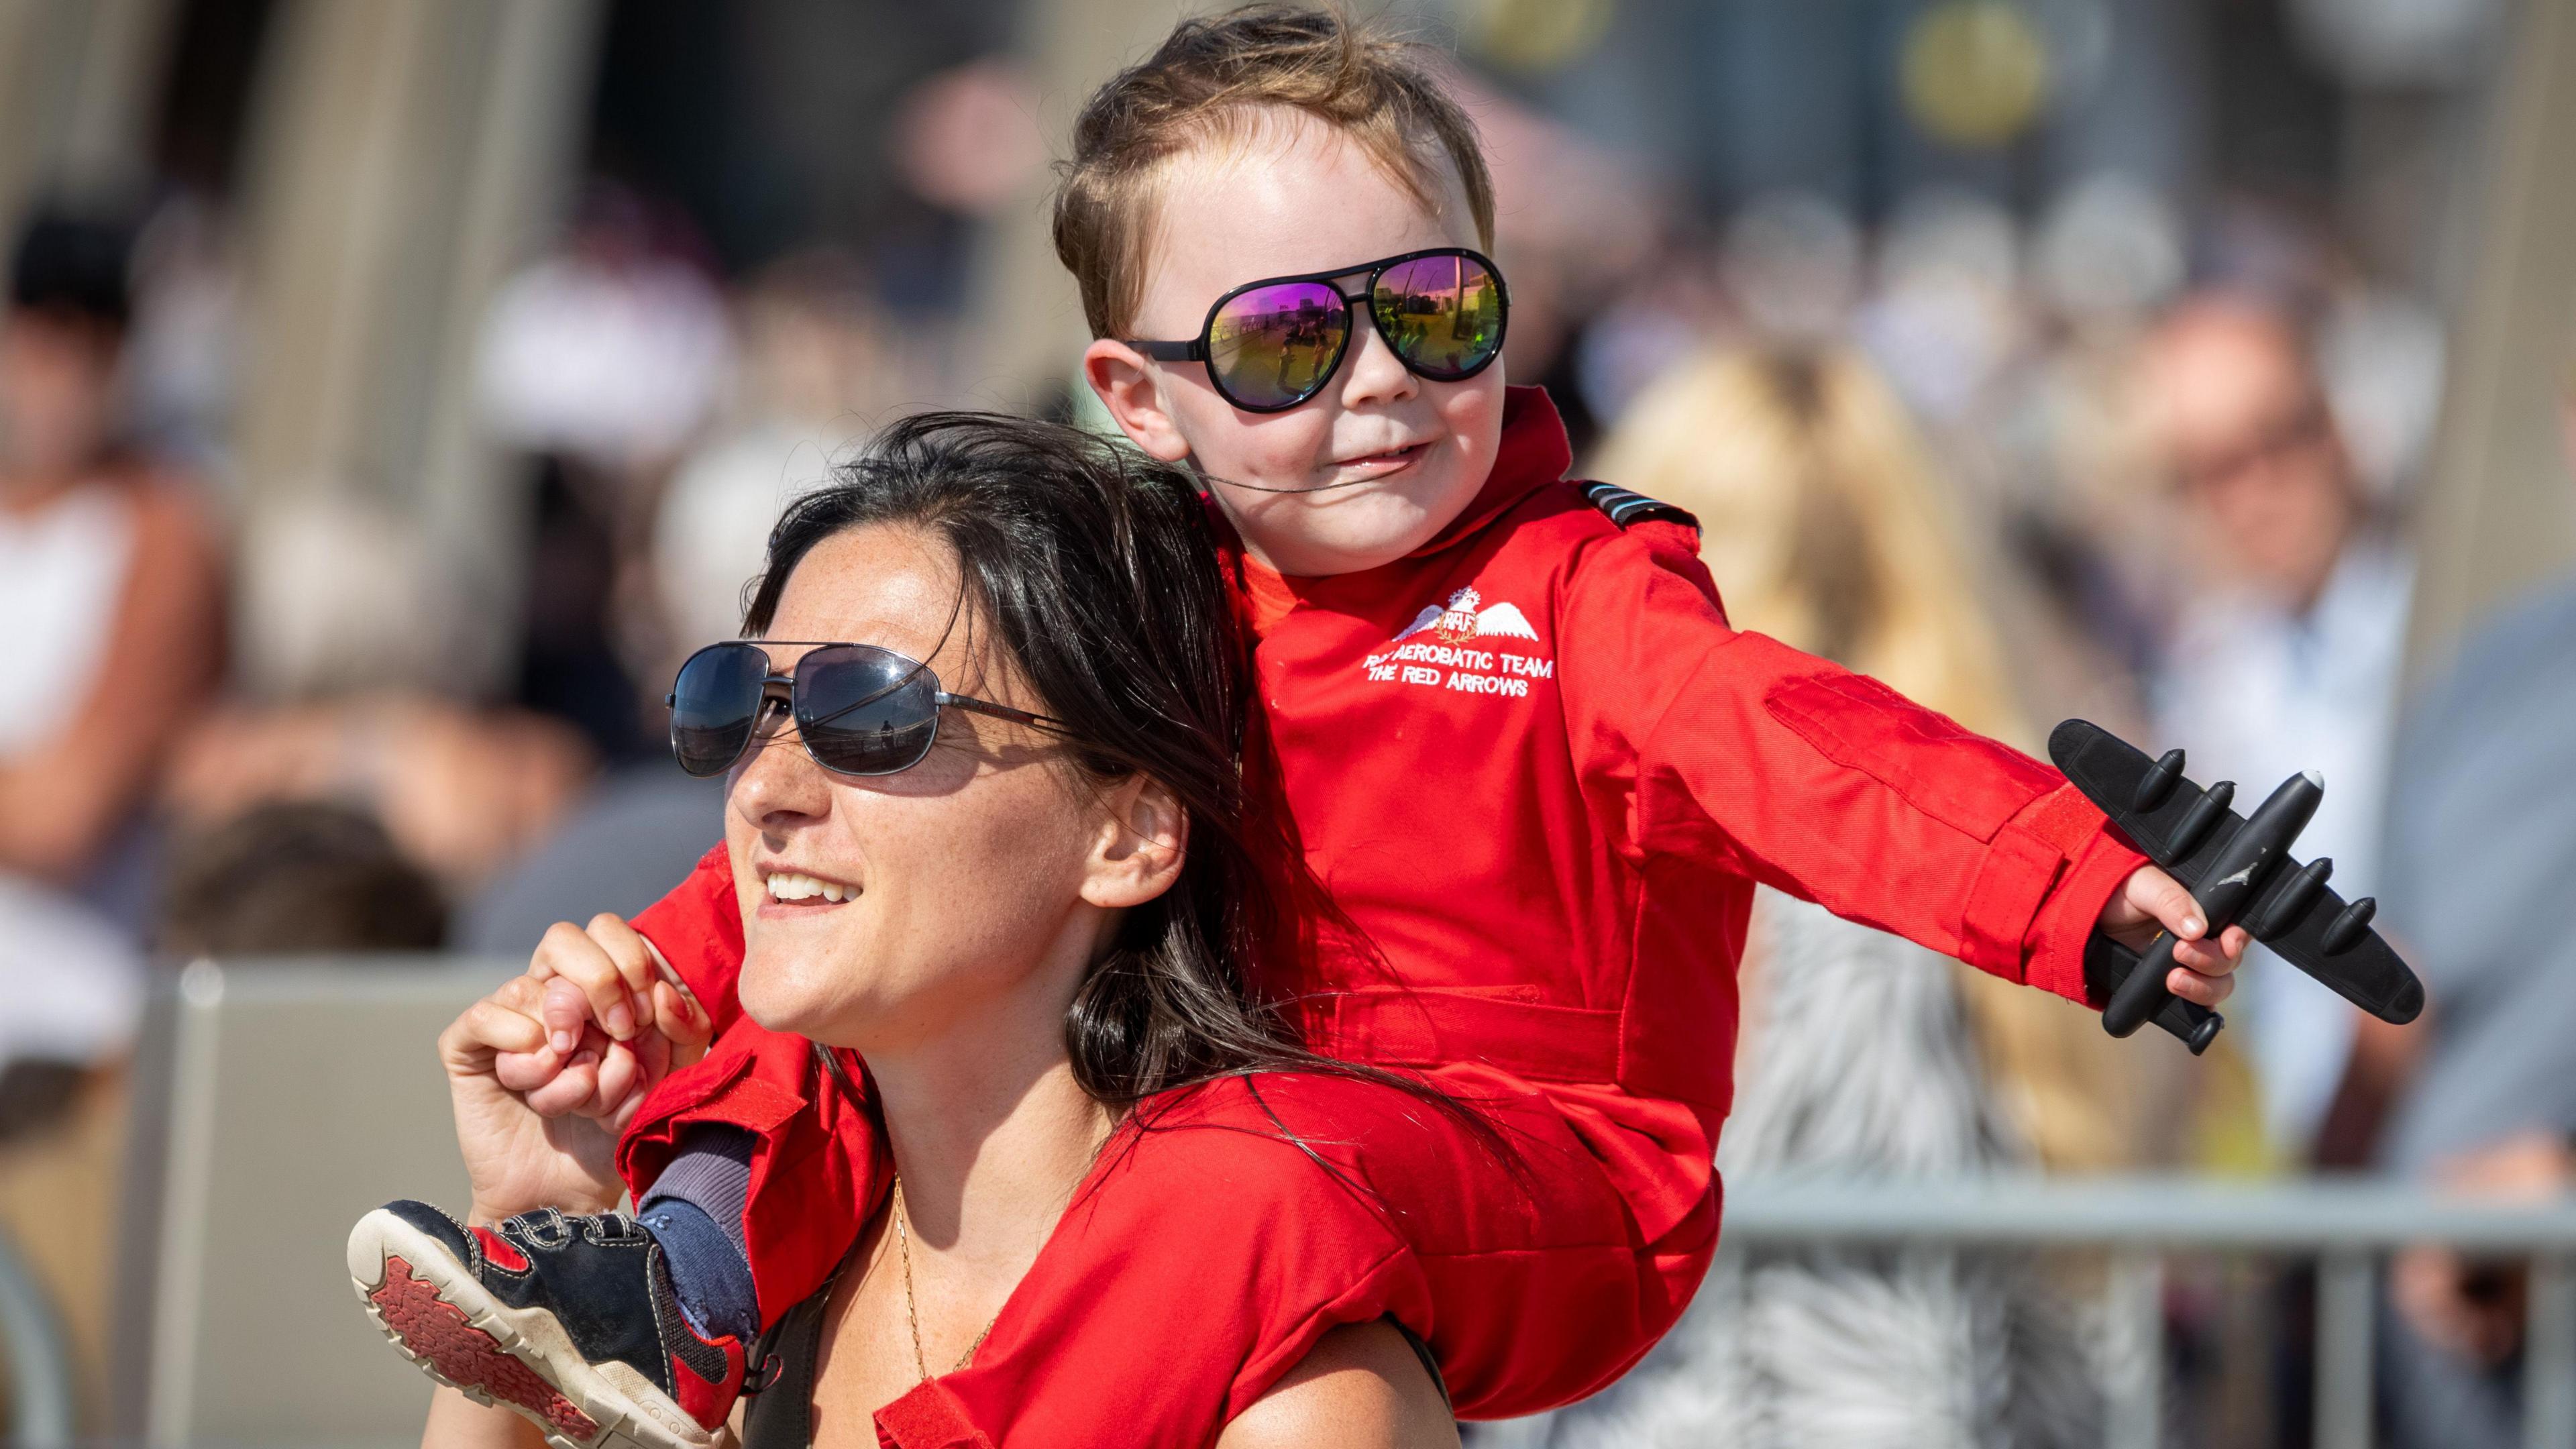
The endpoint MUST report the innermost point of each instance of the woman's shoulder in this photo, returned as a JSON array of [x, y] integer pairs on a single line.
[[1362, 1386]]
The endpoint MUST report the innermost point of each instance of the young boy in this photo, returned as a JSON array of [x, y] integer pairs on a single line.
[[1506, 722]]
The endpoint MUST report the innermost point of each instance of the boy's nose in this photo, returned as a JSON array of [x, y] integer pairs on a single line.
[[1375, 373]]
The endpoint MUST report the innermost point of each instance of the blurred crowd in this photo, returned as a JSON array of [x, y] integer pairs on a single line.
[[2112, 460]]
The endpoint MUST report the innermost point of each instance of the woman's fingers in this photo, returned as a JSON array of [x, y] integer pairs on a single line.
[[486, 1028], [610, 988], [621, 1075], [634, 957], [577, 1082], [684, 1023], [565, 1093], [525, 1072]]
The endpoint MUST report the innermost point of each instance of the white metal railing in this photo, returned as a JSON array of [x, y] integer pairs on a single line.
[[2347, 1225]]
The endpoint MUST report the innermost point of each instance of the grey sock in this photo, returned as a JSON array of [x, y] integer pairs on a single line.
[[694, 1210]]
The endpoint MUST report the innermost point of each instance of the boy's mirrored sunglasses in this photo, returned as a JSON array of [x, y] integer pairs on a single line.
[[860, 710], [1272, 344]]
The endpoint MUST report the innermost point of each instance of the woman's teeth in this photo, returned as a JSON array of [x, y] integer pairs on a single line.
[[787, 885]]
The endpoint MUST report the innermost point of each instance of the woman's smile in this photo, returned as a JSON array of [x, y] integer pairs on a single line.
[[799, 892]]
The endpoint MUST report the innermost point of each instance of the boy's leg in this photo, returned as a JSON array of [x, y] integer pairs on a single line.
[[611, 1335], [1212, 1251], [695, 1211], [810, 1158]]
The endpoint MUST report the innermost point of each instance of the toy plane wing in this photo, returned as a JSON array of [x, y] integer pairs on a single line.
[[2185, 829]]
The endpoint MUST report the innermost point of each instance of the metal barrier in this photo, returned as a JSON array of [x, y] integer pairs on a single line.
[[40, 1367], [2346, 1225]]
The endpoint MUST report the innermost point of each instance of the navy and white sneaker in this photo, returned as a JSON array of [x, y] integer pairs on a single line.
[[570, 1321]]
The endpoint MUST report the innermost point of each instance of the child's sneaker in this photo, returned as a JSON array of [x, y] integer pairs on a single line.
[[570, 1321]]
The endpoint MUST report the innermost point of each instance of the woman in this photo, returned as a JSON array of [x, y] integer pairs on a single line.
[[1826, 528], [1033, 930]]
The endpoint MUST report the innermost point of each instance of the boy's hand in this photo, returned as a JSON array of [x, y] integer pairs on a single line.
[[2151, 901], [611, 1023]]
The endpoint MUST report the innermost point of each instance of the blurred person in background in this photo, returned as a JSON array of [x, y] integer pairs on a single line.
[[2076, 495], [112, 597], [602, 364], [1826, 527], [823, 364], [361, 704], [108, 567], [2285, 653], [112, 593], [297, 877], [2481, 845]]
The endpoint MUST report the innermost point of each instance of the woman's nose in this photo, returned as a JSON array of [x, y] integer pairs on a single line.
[[1375, 373], [778, 782]]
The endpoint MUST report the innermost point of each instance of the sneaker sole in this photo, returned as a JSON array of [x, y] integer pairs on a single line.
[[434, 1313]]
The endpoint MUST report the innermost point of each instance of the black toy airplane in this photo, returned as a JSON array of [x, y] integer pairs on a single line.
[[2241, 873]]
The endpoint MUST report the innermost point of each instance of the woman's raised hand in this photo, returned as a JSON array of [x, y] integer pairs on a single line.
[[540, 1102], [615, 1023]]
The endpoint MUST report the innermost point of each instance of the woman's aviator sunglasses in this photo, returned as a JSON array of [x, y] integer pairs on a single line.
[[1272, 344], [860, 710]]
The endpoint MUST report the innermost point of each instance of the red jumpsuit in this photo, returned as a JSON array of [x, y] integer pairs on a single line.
[[1539, 777]]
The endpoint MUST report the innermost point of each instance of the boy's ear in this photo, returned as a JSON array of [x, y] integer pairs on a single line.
[[1127, 386]]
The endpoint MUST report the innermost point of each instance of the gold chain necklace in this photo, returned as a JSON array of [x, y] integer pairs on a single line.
[[911, 1312]]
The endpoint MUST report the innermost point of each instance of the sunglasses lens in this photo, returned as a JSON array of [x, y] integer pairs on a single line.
[[1442, 314], [714, 704], [1277, 345], [865, 711]]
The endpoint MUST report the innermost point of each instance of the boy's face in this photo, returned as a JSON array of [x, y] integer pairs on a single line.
[[1380, 460]]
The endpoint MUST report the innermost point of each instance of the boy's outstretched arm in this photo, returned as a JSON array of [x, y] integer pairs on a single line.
[[1746, 755]]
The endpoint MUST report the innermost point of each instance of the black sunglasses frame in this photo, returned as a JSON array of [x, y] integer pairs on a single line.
[[782, 687], [1197, 349]]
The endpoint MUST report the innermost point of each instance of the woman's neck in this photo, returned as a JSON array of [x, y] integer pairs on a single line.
[[989, 1156], [991, 1134]]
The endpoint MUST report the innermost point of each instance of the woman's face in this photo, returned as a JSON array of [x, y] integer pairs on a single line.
[[981, 881]]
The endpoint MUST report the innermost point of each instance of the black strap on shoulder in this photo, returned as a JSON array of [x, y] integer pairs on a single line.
[[780, 1388], [1626, 509]]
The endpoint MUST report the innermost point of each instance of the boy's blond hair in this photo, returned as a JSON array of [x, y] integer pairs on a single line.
[[1211, 76]]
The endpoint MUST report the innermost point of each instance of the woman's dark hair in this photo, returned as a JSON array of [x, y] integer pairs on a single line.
[[1096, 569]]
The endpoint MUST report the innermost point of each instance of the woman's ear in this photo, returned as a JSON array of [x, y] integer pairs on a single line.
[[1127, 387], [1141, 847]]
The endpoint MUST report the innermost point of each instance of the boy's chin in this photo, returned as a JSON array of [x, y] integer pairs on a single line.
[[1347, 530]]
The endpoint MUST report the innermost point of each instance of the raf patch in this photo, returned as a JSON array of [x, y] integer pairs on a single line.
[[1473, 648]]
